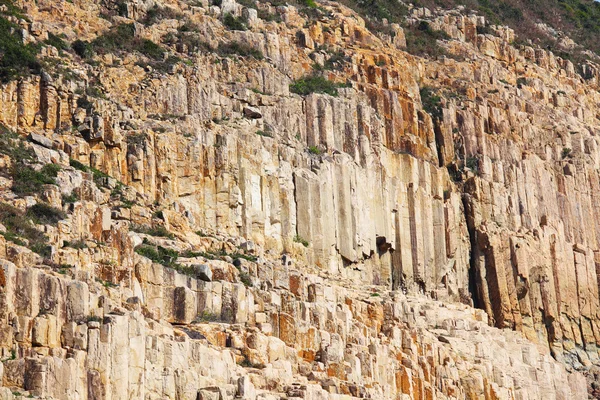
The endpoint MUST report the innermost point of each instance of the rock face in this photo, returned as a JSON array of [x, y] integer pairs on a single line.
[[223, 237]]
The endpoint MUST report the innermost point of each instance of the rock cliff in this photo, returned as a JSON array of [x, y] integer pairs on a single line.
[[275, 201]]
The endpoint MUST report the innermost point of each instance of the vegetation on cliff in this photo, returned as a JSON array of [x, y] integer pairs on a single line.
[[578, 19], [16, 57]]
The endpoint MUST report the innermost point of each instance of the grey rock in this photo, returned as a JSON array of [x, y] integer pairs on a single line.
[[252, 112], [41, 140], [203, 272]]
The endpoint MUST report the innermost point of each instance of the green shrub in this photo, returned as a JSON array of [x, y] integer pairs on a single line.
[[245, 279], [432, 103], [473, 164], [157, 13], [301, 240], [484, 30], [78, 165], [315, 150], [188, 41], [308, 3], [122, 8], [314, 84], [158, 214], [27, 181], [12, 10], [78, 244], [421, 40], [51, 170], [13, 146], [234, 23], [206, 316], [57, 42], [240, 49], [375, 12], [216, 255], [158, 254], [247, 257], [265, 133], [127, 203], [42, 213], [151, 49], [121, 38], [160, 231], [82, 49], [16, 58], [19, 228], [566, 152], [336, 60]]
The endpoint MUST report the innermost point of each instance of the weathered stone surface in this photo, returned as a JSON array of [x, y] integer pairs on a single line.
[[329, 247]]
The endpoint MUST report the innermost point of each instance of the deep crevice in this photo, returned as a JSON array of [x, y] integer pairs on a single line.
[[472, 284]]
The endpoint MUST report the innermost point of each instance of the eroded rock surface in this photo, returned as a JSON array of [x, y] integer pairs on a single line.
[[225, 238]]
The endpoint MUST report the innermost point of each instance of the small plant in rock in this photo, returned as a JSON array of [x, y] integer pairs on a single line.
[[158, 254], [521, 81], [432, 103], [13, 356], [484, 30], [159, 230], [315, 150], [65, 268], [203, 234], [301, 240], [566, 152], [106, 284], [247, 257], [473, 164], [315, 84], [265, 133], [77, 244], [206, 316], [70, 198], [246, 363], [78, 165], [245, 279], [137, 139], [336, 61]]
